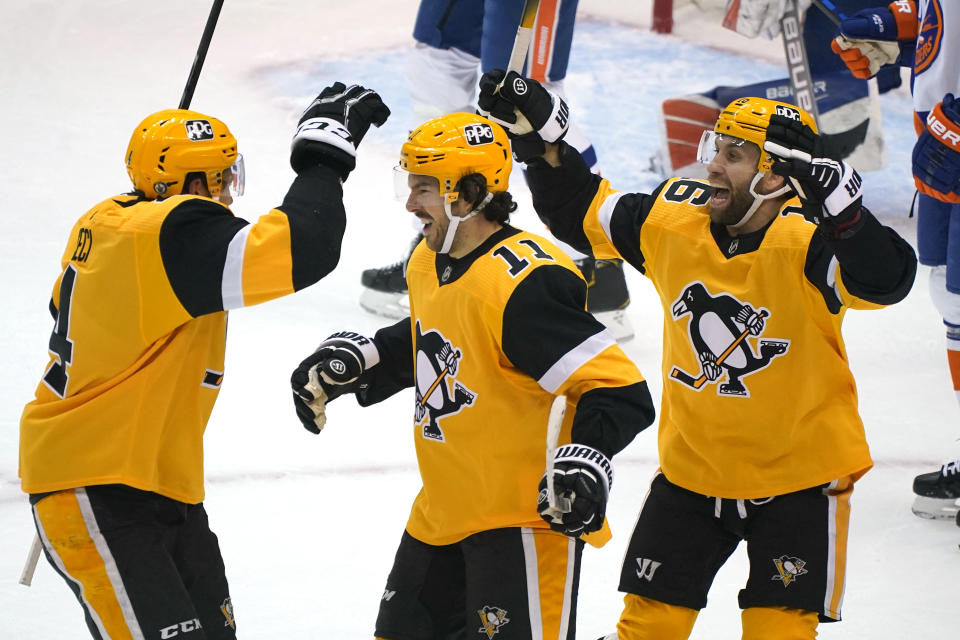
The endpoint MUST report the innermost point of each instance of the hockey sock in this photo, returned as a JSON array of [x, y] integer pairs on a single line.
[[953, 355], [762, 623], [646, 619]]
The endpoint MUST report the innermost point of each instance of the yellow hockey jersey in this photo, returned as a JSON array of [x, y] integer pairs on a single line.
[[137, 349], [492, 338], [758, 397]]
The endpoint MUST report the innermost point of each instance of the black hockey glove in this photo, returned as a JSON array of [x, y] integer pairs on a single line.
[[332, 127], [582, 477], [328, 373], [529, 112], [830, 190]]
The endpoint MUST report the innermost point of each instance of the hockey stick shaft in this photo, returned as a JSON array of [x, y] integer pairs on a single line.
[[521, 44], [797, 65], [830, 10], [30, 566], [554, 423], [194, 76]]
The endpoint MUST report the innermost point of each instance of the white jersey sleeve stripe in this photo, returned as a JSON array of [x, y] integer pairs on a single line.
[[605, 214], [574, 359], [232, 283]]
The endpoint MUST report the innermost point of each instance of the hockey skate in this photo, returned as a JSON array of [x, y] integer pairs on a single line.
[[385, 288], [607, 295], [938, 492]]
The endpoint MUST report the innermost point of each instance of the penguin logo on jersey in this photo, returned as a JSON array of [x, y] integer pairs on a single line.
[[788, 569], [439, 394], [719, 328], [491, 619]]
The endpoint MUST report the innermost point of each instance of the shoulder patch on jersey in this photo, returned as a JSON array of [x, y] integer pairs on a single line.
[[930, 38]]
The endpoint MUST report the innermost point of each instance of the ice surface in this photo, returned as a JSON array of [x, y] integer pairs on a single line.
[[309, 524]]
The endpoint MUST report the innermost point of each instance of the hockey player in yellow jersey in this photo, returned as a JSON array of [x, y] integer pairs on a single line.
[[497, 329], [759, 437], [111, 448]]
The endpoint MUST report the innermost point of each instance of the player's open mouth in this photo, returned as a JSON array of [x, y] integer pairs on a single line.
[[719, 197]]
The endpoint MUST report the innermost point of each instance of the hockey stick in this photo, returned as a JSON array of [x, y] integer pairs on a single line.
[[687, 379], [557, 505], [830, 11], [30, 566], [797, 65], [201, 54], [521, 44]]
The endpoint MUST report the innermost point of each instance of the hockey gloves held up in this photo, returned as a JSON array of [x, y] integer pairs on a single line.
[[582, 477], [872, 38], [332, 127], [529, 112], [831, 191], [936, 156], [329, 372]]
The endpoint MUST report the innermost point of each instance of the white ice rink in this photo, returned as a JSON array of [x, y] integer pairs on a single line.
[[309, 524]]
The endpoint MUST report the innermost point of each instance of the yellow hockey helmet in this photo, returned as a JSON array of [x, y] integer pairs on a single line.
[[748, 119], [168, 145], [455, 145]]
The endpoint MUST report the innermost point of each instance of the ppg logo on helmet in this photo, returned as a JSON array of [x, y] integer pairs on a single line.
[[477, 134], [198, 130], [788, 112]]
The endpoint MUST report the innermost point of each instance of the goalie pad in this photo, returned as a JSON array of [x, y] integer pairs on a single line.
[[849, 122]]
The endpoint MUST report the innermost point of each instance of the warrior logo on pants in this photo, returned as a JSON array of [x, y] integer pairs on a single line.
[[438, 392], [718, 329]]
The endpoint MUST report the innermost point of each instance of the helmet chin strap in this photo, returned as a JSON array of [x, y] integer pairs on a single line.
[[758, 198], [454, 221]]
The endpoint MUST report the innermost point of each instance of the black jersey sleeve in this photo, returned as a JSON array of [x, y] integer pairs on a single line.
[[609, 418], [562, 195], [876, 264], [565, 196], [314, 207], [196, 235], [548, 335], [626, 222], [194, 239], [394, 372]]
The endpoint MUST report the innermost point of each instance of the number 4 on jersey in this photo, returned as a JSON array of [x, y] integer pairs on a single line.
[[56, 376]]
